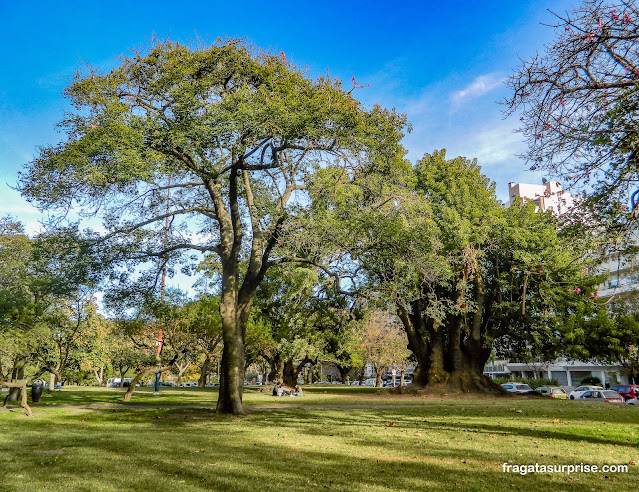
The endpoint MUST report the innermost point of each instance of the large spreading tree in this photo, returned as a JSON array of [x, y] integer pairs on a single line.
[[462, 272], [205, 150]]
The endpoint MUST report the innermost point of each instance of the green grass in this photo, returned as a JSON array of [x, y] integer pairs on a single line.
[[434, 444]]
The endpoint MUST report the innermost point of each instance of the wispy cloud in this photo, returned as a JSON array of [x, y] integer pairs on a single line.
[[477, 88]]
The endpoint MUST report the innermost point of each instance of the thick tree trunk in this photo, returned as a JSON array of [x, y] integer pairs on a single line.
[[436, 373], [232, 368], [415, 328], [343, 372], [272, 374], [279, 370], [456, 358], [289, 373]]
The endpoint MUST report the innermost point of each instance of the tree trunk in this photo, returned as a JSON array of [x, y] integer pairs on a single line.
[[204, 372], [272, 374], [455, 353], [289, 374], [436, 373], [52, 377], [232, 368], [361, 376], [378, 377], [402, 373], [145, 372], [21, 386], [343, 372], [99, 376]]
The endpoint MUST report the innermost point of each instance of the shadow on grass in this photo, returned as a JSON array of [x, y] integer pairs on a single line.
[[195, 450]]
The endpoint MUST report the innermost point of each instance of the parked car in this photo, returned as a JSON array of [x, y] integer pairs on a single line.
[[628, 391], [608, 396], [634, 401], [519, 388], [553, 392], [577, 392]]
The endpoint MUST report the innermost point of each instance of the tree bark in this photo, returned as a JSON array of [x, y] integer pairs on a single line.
[[378, 377], [343, 372], [232, 367], [204, 371], [289, 373], [436, 373], [99, 376], [52, 378]]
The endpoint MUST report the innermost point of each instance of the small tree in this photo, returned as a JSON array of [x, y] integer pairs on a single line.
[[383, 343]]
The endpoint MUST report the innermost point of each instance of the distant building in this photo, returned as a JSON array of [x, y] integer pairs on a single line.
[[623, 275], [547, 196], [566, 372]]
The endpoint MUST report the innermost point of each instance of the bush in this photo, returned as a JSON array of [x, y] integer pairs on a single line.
[[534, 383], [592, 380]]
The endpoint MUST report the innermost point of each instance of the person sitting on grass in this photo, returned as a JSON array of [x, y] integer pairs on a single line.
[[297, 391]]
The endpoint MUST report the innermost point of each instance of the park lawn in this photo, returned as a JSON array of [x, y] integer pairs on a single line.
[[440, 444], [253, 395]]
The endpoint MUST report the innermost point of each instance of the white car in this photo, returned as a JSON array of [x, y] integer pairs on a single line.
[[519, 388], [577, 392], [634, 401]]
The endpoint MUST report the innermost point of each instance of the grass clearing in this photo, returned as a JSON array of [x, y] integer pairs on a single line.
[[433, 444]]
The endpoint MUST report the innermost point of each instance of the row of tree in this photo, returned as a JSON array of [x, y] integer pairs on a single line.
[[231, 162], [49, 325]]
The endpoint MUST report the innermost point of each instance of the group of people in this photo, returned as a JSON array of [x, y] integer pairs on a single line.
[[281, 390]]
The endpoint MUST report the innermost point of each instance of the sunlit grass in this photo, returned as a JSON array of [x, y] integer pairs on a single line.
[[435, 444]]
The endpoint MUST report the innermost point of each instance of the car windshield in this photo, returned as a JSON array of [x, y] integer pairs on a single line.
[[558, 390], [523, 387], [611, 394]]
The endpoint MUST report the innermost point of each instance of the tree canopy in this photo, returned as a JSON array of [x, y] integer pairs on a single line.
[[205, 149]]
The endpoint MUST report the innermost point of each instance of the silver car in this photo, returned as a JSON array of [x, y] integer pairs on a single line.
[[608, 396]]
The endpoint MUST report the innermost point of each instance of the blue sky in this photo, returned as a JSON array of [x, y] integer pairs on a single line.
[[443, 63]]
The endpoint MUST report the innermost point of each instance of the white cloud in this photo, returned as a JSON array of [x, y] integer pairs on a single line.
[[496, 145], [477, 88]]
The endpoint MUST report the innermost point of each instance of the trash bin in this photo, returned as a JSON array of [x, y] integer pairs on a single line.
[[36, 391]]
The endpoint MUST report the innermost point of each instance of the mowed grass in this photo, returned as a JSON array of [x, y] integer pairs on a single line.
[[427, 444]]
